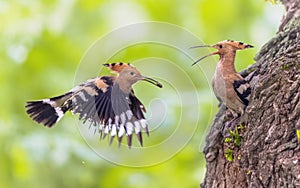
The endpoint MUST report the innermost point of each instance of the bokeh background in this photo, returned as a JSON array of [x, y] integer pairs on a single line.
[[42, 47]]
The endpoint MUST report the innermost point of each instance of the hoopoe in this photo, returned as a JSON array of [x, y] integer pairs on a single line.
[[108, 102], [229, 86]]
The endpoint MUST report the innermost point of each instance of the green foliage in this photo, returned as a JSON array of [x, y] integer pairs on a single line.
[[235, 136], [298, 134], [229, 154], [228, 140], [41, 46]]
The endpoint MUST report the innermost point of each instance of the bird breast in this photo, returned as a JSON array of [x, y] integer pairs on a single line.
[[219, 85]]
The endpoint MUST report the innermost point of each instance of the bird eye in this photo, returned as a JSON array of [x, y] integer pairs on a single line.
[[131, 73], [220, 46]]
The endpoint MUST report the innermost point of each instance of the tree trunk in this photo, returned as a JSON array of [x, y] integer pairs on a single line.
[[265, 150]]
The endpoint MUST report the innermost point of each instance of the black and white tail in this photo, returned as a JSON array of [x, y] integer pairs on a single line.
[[47, 111]]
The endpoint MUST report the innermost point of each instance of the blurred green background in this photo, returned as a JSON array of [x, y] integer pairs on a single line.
[[41, 46]]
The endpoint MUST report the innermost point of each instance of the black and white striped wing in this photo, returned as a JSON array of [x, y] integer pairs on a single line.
[[243, 90], [113, 112]]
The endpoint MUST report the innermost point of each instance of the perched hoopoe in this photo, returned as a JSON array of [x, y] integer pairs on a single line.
[[228, 85], [108, 102]]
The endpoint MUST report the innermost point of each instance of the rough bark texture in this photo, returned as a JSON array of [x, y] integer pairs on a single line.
[[269, 152]]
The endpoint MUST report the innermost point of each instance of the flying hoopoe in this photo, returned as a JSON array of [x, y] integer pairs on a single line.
[[108, 102], [228, 85]]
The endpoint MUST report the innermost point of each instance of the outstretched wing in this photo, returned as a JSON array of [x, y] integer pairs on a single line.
[[138, 109], [91, 100], [47, 111], [101, 102]]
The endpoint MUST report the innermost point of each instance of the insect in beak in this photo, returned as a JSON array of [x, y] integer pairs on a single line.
[[152, 81]]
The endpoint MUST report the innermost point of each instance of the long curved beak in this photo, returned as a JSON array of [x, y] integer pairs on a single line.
[[152, 81], [201, 46], [214, 53]]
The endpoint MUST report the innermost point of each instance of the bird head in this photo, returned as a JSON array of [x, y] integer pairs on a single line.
[[128, 74], [224, 47]]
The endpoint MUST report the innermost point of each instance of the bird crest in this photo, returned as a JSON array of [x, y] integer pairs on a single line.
[[118, 67], [236, 44]]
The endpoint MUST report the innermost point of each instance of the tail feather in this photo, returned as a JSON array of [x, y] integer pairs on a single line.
[[46, 111]]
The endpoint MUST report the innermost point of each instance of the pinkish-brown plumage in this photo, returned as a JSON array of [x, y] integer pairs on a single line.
[[229, 86]]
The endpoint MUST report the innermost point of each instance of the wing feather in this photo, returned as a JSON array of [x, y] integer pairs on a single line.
[[100, 101], [242, 89]]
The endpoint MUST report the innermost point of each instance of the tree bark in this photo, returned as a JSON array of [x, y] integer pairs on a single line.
[[265, 150]]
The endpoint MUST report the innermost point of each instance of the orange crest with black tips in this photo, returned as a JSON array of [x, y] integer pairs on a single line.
[[118, 67], [238, 45]]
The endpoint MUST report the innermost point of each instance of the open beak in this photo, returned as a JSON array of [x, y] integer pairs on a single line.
[[214, 53], [152, 81], [201, 46]]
